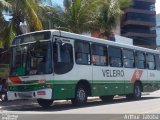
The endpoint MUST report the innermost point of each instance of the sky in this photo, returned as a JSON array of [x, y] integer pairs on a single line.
[[59, 2], [157, 6]]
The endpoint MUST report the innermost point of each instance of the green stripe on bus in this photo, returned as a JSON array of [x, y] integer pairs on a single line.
[[65, 89]]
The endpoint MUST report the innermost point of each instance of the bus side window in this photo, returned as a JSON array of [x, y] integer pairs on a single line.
[[140, 60], [150, 60], [62, 57], [99, 55], [115, 56], [128, 58], [157, 58], [82, 53]]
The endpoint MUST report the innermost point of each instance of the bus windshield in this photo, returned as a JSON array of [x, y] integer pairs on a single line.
[[32, 37], [31, 59]]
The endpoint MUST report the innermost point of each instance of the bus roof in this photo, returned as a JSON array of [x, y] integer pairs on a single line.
[[108, 42], [93, 39]]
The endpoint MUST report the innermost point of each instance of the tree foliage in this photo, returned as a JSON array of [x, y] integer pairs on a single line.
[[22, 11], [79, 15], [110, 12], [76, 16], [91, 15]]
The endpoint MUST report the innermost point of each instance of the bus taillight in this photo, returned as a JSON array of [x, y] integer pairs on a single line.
[[41, 81]]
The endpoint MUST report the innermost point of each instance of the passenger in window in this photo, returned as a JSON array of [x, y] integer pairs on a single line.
[[78, 58], [114, 62], [94, 59], [103, 60], [82, 58]]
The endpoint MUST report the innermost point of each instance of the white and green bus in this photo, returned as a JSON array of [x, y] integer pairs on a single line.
[[57, 65]]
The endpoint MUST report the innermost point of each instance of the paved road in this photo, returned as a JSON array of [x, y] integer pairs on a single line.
[[149, 104]]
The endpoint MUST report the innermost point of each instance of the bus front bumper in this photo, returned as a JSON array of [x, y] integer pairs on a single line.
[[39, 94]]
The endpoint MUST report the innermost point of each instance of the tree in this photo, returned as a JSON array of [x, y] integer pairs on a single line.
[[3, 5], [109, 14], [22, 11], [50, 16], [92, 15], [79, 15]]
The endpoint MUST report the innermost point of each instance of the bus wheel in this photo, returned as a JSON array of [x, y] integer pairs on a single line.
[[44, 103], [107, 98], [136, 93], [80, 96]]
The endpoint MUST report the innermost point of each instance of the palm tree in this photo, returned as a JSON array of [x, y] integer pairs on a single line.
[[50, 16], [91, 15], [78, 15], [3, 5], [109, 14], [22, 11], [3, 23]]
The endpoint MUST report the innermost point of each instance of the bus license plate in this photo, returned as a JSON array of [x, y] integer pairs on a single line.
[[25, 95]]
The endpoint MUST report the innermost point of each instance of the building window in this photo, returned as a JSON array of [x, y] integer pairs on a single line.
[[150, 61], [115, 56], [140, 60], [128, 58], [99, 55], [82, 53]]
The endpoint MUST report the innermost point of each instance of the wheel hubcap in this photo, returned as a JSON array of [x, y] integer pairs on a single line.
[[81, 95]]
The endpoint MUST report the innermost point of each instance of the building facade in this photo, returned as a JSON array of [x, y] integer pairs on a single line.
[[139, 23], [158, 29]]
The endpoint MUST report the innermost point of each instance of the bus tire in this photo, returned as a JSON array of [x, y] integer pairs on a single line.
[[107, 98], [80, 96], [44, 103], [137, 92]]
